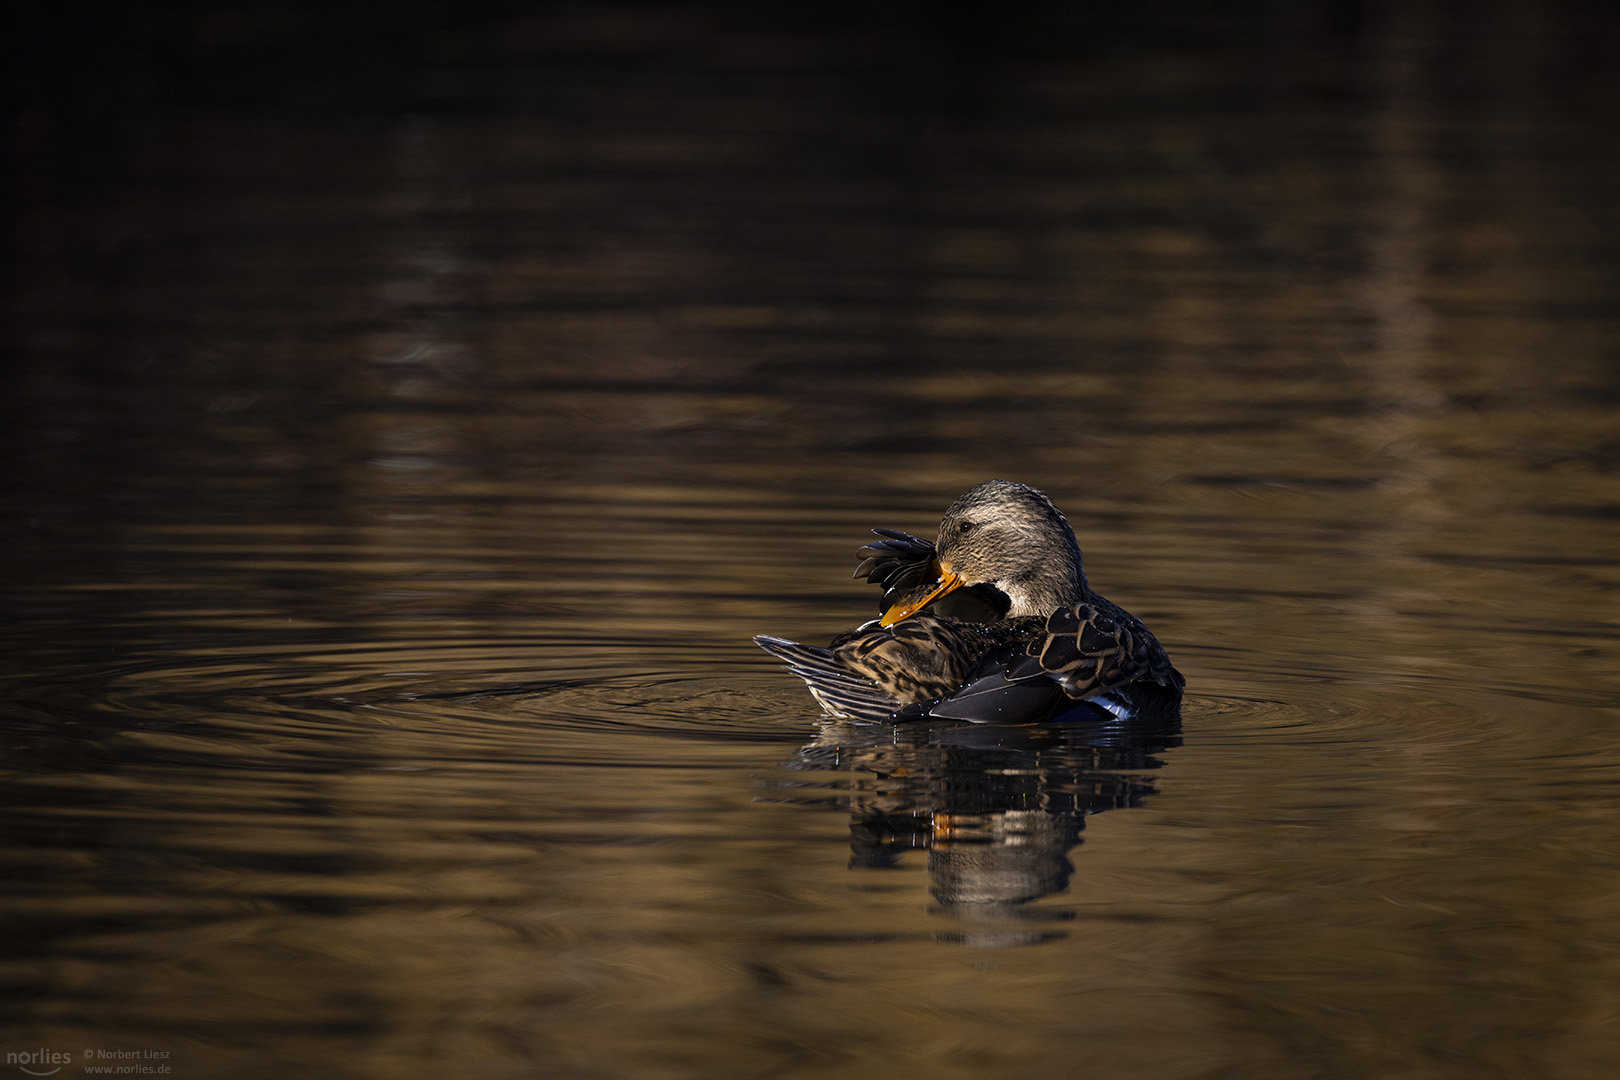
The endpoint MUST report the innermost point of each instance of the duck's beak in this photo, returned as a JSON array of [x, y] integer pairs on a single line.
[[939, 582]]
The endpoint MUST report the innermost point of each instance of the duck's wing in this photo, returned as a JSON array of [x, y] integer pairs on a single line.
[[1098, 651], [999, 697]]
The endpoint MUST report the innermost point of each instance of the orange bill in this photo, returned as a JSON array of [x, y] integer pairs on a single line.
[[944, 581]]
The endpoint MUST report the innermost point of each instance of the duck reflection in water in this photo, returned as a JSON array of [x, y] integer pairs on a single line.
[[998, 809], [993, 623]]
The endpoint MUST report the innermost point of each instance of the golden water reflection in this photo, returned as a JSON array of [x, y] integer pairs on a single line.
[[400, 455], [997, 810]]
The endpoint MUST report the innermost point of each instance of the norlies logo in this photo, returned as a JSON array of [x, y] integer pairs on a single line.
[[39, 1062], [44, 1062]]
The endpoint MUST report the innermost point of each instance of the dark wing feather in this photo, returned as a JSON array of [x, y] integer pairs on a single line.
[[1000, 697], [897, 564]]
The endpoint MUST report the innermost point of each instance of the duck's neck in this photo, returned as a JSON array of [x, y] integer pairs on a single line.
[[1045, 589]]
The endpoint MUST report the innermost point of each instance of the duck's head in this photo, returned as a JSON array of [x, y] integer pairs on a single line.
[[1006, 539]]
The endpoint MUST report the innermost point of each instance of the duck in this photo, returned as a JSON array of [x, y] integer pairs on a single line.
[[993, 622]]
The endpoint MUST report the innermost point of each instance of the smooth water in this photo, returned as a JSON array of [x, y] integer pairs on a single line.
[[409, 421]]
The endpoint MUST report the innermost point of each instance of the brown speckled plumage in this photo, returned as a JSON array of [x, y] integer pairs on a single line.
[[995, 621]]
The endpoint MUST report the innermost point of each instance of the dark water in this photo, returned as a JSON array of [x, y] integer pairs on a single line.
[[410, 416]]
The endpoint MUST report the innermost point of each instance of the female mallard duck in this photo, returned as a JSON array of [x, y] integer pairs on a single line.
[[995, 622]]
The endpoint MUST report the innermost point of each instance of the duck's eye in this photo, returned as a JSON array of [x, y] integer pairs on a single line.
[[964, 526]]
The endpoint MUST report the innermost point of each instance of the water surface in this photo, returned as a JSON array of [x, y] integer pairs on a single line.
[[400, 456]]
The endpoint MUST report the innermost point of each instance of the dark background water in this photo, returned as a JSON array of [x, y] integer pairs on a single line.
[[411, 410]]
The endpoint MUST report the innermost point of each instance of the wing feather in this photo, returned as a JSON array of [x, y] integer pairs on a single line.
[[897, 564], [1095, 647]]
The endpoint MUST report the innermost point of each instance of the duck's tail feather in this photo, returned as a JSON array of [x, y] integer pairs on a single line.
[[841, 692]]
